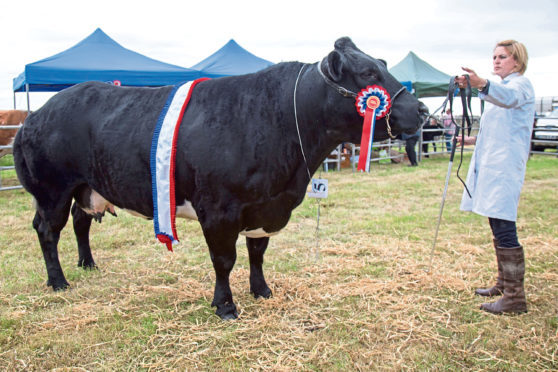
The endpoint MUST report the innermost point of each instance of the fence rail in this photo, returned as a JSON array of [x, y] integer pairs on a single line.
[[8, 167], [11, 126]]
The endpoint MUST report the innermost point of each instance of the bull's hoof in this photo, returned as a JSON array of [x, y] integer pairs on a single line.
[[58, 285], [87, 265], [264, 292], [227, 311]]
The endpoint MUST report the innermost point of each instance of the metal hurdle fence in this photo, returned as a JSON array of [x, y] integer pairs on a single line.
[[8, 167], [394, 149], [346, 155], [440, 144]]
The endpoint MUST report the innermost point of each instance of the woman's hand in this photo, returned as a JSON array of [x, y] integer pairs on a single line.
[[469, 140], [476, 81]]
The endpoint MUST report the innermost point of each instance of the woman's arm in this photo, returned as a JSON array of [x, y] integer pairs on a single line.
[[513, 94]]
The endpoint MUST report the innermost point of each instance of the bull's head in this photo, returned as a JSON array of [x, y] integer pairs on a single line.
[[350, 70]]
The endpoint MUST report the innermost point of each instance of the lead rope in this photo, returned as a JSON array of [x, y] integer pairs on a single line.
[[317, 248], [466, 122]]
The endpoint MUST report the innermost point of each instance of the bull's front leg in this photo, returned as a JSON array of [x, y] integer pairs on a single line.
[[222, 249], [256, 250]]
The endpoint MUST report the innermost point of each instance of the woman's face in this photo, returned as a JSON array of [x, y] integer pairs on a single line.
[[503, 61]]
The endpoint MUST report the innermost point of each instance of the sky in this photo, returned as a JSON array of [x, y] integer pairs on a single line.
[[448, 34]]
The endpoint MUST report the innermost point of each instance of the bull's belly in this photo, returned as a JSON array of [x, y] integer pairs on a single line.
[[258, 233], [98, 205], [182, 211], [187, 211]]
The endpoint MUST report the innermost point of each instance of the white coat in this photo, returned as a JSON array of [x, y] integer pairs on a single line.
[[497, 168]]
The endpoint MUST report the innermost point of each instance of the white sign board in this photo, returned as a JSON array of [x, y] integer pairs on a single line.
[[319, 188]]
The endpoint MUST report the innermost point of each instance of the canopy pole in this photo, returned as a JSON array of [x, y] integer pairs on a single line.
[[27, 92], [14, 100]]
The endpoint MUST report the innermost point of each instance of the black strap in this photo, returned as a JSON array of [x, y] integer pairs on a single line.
[[466, 119], [466, 96], [341, 90]]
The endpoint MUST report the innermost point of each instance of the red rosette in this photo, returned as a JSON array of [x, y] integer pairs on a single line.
[[365, 99]]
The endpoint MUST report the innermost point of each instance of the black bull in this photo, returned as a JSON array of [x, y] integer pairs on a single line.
[[239, 168]]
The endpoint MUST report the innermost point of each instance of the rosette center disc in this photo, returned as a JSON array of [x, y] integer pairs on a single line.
[[373, 102]]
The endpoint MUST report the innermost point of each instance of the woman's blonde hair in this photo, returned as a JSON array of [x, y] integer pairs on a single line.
[[518, 52]]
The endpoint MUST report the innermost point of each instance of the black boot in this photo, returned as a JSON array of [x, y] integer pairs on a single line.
[[513, 270], [498, 288]]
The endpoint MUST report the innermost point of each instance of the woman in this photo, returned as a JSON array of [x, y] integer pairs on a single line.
[[497, 168]]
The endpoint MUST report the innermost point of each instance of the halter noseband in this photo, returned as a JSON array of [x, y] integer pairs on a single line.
[[350, 94]]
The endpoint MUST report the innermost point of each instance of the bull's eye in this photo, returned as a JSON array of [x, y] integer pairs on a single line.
[[369, 75]]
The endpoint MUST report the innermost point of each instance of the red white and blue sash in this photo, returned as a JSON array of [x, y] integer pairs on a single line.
[[163, 153]]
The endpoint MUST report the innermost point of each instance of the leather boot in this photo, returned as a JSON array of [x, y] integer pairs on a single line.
[[513, 270], [498, 288]]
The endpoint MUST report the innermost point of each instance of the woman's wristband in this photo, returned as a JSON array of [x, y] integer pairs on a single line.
[[484, 89]]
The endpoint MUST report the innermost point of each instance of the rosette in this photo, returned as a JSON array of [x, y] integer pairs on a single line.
[[373, 97]]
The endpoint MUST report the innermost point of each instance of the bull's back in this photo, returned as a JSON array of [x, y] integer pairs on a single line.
[[92, 133]]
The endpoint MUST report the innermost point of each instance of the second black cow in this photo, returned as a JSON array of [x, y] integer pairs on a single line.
[[239, 164]]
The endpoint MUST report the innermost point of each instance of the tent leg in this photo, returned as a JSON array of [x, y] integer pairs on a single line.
[[27, 92]]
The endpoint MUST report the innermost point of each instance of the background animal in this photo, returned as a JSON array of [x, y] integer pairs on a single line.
[[239, 162], [9, 117]]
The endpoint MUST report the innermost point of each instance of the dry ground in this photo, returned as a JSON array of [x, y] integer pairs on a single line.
[[358, 298]]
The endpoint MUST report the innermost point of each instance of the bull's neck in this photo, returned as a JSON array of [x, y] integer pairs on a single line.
[[317, 105]]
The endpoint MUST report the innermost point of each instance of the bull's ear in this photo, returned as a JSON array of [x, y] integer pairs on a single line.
[[383, 61], [344, 43], [335, 61]]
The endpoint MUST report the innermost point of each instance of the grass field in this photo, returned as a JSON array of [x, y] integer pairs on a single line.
[[357, 298]]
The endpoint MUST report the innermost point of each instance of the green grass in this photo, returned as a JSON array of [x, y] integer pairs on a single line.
[[358, 298]]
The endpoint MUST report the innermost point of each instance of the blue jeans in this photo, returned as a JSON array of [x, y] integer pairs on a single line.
[[448, 141], [505, 232]]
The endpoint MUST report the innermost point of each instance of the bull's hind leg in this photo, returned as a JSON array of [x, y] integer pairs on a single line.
[[48, 223], [256, 250], [82, 225]]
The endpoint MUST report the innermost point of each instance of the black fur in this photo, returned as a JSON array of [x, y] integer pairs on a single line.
[[238, 161]]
